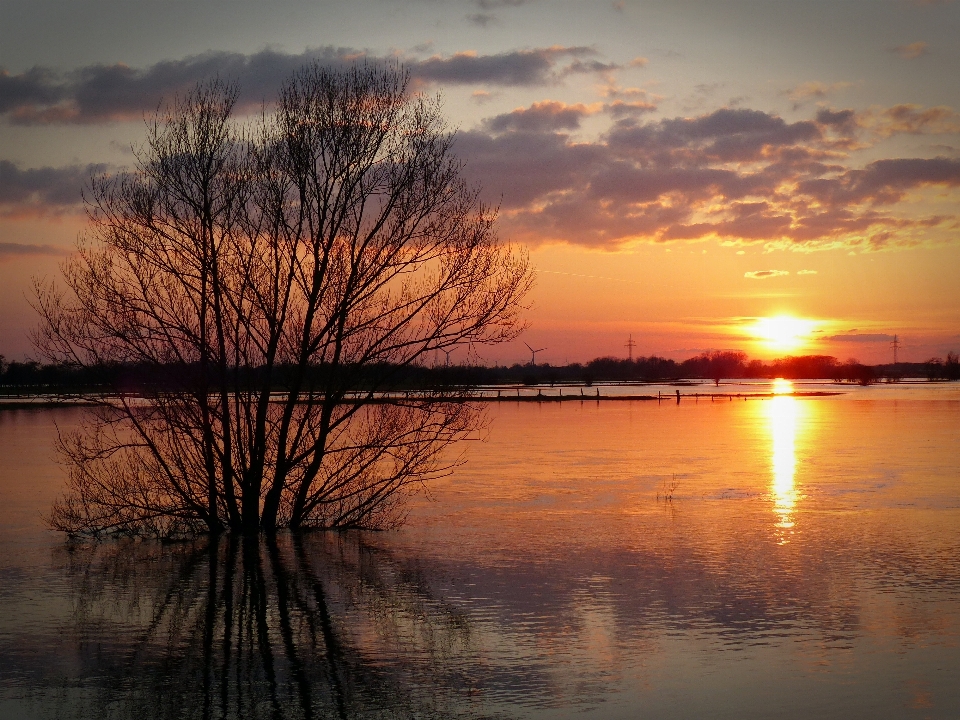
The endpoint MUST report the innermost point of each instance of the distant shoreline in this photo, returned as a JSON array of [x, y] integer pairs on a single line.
[[553, 395], [513, 393], [667, 397]]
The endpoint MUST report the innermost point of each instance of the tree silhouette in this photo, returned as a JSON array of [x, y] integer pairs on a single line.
[[275, 276]]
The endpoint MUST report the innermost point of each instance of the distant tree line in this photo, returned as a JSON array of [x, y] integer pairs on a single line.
[[31, 377]]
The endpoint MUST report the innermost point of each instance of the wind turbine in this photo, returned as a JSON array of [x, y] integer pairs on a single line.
[[533, 353]]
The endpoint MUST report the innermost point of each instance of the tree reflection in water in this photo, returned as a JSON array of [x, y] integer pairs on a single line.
[[302, 626]]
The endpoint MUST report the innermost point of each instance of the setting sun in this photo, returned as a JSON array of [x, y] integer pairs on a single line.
[[783, 333]]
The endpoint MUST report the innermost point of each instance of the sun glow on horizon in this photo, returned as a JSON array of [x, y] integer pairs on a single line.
[[783, 333]]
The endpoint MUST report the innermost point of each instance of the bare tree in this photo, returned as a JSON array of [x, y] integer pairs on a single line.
[[276, 277]]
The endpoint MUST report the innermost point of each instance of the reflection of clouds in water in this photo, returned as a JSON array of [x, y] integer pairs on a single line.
[[595, 608], [783, 416], [358, 625]]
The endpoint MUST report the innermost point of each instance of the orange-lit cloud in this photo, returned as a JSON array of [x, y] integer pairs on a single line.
[[814, 90], [733, 174], [912, 51], [913, 120]]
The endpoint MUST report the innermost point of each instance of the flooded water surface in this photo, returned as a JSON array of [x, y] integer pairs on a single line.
[[783, 557]]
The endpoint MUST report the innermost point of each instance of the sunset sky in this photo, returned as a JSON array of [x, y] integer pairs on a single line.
[[680, 171]]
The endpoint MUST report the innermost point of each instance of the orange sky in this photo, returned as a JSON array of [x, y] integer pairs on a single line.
[[677, 170], [678, 301]]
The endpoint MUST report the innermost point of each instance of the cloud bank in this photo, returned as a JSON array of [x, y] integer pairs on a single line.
[[105, 93], [39, 191], [737, 175]]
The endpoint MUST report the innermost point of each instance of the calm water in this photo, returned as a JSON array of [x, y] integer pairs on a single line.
[[783, 558]]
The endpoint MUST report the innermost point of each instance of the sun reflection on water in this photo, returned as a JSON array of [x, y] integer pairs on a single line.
[[783, 416]]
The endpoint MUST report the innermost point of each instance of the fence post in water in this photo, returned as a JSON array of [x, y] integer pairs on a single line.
[[678, 397]]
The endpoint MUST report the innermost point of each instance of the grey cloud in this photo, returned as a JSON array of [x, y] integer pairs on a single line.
[[35, 86], [843, 121], [627, 182], [487, 18], [884, 181], [495, 4], [762, 274], [39, 190], [725, 134], [623, 109], [99, 93], [522, 167], [103, 93], [8, 251], [542, 66], [546, 116], [590, 66], [483, 19], [729, 122], [860, 338]]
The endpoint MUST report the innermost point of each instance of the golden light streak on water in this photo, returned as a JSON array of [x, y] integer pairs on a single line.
[[783, 418]]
